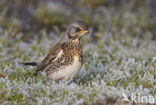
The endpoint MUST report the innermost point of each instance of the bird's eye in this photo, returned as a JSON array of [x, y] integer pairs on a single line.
[[74, 30], [77, 29]]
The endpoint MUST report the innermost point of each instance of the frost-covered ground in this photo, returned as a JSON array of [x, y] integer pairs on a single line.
[[114, 66], [119, 60]]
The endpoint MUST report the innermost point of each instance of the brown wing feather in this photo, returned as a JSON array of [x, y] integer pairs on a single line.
[[51, 55]]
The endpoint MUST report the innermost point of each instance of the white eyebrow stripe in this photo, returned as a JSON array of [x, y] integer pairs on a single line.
[[77, 26]]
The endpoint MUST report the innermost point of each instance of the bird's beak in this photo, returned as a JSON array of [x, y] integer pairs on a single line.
[[84, 32]]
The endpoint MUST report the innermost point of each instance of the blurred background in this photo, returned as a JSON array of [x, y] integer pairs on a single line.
[[119, 52], [30, 17]]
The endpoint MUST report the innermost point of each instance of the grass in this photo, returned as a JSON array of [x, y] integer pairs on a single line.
[[119, 57]]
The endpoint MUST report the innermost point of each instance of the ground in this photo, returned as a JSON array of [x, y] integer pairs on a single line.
[[119, 57]]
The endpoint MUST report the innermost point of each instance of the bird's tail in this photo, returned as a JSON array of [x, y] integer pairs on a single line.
[[30, 63]]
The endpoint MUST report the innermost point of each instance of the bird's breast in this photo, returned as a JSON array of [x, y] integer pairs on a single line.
[[68, 71]]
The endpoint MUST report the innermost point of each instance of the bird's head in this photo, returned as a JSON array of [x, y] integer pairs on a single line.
[[77, 29]]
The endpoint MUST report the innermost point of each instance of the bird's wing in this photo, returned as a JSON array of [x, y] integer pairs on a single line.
[[53, 53], [50, 57]]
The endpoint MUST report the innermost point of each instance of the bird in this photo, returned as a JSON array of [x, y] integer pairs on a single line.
[[65, 59]]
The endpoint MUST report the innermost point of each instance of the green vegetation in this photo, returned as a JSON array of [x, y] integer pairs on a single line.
[[120, 51]]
